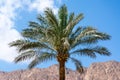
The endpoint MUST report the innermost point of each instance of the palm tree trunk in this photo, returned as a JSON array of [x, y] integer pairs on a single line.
[[62, 70]]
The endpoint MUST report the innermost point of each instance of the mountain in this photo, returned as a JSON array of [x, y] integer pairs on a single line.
[[103, 71], [97, 71]]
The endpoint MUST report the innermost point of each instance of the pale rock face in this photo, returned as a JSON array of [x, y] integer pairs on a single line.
[[97, 71], [103, 71]]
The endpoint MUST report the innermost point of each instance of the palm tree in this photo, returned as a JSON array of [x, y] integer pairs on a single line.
[[56, 37]]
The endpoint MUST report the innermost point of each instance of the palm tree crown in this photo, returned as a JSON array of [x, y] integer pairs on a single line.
[[56, 37]]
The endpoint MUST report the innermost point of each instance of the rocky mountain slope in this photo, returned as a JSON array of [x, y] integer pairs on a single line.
[[97, 71], [103, 71]]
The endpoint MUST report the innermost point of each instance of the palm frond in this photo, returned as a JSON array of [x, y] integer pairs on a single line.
[[73, 35], [86, 41], [41, 58], [71, 18], [102, 36], [34, 34], [34, 24], [85, 32], [39, 34], [53, 24], [35, 31], [33, 45], [78, 65], [91, 51], [51, 18], [17, 43], [25, 55], [71, 25], [63, 17], [92, 39], [76, 32], [78, 18], [23, 45], [86, 52], [102, 50], [88, 35], [51, 33], [42, 20], [34, 62]]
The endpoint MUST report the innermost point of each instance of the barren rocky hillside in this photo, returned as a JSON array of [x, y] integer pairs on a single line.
[[97, 71]]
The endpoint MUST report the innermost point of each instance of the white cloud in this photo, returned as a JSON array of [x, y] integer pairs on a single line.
[[40, 5], [8, 15], [7, 31]]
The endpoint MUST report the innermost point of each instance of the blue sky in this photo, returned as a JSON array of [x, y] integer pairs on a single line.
[[15, 15]]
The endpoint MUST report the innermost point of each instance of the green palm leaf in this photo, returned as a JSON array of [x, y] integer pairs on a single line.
[[71, 17], [23, 45], [42, 20], [25, 55], [42, 58], [51, 18], [63, 14], [71, 25], [34, 32], [17, 43], [91, 51], [87, 35], [78, 65]]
